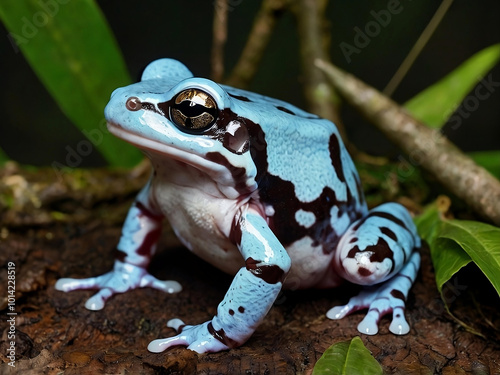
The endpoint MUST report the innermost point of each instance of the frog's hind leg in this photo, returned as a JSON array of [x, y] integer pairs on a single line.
[[378, 251]]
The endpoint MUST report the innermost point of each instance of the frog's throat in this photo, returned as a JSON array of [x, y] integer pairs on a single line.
[[217, 171]]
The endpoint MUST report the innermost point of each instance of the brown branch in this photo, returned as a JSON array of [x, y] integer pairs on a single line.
[[257, 42], [219, 39], [320, 95], [425, 146]]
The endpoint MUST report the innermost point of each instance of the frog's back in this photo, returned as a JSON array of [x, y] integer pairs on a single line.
[[303, 170]]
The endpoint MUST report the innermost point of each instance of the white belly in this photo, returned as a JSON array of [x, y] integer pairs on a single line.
[[203, 225]]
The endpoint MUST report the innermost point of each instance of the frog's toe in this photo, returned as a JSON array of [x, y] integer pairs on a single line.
[[158, 346], [196, 338], [361, 301], [399, 325], [338, 312], [167, 286], [369, 325], [176, 324], [98, 300], [68, 284]]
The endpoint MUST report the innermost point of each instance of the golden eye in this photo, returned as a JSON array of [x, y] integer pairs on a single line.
[[193, 110]]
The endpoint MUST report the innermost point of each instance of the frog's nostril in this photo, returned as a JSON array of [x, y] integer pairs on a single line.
[[133, 104]]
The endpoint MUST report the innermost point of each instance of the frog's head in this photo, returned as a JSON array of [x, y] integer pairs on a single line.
[[170, 114]]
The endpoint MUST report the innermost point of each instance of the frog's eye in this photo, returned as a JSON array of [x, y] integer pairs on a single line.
[[133, 104], [193, 110]]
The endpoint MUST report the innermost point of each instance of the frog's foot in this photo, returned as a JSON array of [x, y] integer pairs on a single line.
[[123, 277], [382, 299], [201, 338]]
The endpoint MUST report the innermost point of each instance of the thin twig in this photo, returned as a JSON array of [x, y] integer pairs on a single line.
[[219, 39], [259, 37], [320, 95], [426, 147], [417, 48]]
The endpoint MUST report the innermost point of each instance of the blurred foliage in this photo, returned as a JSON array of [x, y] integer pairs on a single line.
[[434, 105], [78, 60]]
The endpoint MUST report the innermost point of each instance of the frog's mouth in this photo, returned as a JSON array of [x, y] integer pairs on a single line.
[[216, 171]]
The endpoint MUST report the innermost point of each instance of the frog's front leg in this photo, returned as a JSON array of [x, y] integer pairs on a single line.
[[249, 298], [379, 251], [137, 244]]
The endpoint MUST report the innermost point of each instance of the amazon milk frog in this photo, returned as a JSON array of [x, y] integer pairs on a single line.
[[263, 191]]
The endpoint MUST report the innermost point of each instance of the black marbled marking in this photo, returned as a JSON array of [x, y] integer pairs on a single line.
[[222, 337], [239, 97], [270, 273], [286, 110], [280, 194], [238, 174], [380, 251], [364, 272], [398, 294], [389, 233], [391, 217], [335, 156]]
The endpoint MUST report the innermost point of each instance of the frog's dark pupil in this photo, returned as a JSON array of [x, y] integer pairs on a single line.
[[191, 109], [193, 116]]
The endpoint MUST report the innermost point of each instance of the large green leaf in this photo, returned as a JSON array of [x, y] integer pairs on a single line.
[[479, 241], [347, 357], [436, 104], [489, 160], [448, 258], [455, 243], [72, 50]]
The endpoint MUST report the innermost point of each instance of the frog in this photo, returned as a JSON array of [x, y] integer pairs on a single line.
[[260, 189]]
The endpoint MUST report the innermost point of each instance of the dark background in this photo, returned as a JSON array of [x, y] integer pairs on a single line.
[[34, 131]]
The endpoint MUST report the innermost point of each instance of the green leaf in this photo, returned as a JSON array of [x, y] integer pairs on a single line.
[[448, 258], [428, 223], [72, 50], [347, 357], [489, 160], [455, 243], [436, 104], [479, 241]]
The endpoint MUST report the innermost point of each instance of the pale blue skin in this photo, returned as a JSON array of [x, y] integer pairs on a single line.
[[252, 209]]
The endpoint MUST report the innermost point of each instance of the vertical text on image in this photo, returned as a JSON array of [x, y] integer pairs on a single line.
[[11, 313]]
